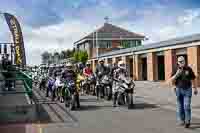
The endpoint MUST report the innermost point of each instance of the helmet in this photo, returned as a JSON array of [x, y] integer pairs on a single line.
[[101, 60], [88, 63], [181, 61], [121, 65], [69, 64]]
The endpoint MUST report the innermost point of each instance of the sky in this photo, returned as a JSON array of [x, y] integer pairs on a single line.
[[54, 25]]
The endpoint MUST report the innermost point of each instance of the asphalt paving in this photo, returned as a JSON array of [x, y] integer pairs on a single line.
[[100, 117]]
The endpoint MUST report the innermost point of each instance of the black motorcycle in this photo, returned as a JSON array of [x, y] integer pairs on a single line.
[[89, 85], [104, 88]]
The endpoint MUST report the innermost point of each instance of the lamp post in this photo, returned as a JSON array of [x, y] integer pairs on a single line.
[[11, 52], [97, 45]]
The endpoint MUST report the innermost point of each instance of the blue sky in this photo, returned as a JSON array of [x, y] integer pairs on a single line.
[[55, 24]]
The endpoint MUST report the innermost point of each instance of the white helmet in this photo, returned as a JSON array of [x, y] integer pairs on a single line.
[[181, 61], [121, 65], [69, 64], [101, 60], [88, 63]]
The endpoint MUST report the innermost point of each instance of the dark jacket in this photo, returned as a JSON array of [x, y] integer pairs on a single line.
[[68, 75], [101, 70], [183, 80]]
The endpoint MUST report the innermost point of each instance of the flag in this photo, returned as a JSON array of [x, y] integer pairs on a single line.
[[14, 26]]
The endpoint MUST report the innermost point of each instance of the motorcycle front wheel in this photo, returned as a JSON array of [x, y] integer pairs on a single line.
[[130, 100]]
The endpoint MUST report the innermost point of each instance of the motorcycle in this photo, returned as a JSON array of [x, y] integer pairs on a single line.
[[56, 89], [71, 95], [42, 83], [125, 91], [36, 80], [106, 87], [89, 84], [50, 84]]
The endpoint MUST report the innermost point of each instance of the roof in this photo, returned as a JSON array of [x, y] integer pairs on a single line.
[[171, 42], [112, 31]]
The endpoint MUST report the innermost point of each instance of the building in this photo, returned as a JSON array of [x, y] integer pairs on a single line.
[[108, 38], [153, 62], [156, 61]]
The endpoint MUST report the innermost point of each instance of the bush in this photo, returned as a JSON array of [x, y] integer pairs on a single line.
[[81, 56]]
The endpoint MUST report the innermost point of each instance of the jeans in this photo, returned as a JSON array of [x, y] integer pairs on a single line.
[[184, 104]]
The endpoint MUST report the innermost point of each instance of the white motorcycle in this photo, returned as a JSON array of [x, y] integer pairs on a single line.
[[125, 90]]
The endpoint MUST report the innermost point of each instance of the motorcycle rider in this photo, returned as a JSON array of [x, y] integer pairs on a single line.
[[119, 71], [69, 75], [100, 72], [87, 71]]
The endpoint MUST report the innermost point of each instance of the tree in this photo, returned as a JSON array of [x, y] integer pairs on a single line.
[[81, 56], [76, 56], [62, 55], [66, 54], [45, 57], [56, 56]]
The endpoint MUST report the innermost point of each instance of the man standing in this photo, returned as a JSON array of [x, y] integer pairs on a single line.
[[7, 65], [184, 77], [100, 72]]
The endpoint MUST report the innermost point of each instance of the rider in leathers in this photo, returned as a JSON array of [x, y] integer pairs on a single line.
[[67, 75], [120, 71], [101, 70]]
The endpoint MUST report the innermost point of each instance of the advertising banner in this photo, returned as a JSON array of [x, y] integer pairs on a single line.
[[14, 26]]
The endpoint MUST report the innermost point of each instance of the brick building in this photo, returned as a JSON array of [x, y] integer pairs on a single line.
[[108, 38], [156, 61]]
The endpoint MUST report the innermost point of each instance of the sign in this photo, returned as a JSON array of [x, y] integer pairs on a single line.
[[15, 29]]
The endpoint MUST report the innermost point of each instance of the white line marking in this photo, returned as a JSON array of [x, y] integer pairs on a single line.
[[28, 99]]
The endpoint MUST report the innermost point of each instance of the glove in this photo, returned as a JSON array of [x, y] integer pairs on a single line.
[[178, 73]]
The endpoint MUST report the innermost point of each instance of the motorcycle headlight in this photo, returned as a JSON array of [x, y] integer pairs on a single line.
[[132, 86]]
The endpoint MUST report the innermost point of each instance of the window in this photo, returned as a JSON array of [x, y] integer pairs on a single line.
[[87, 45], [138, 43], [130, 43], [105, 44], [109, 44], [125, 44]]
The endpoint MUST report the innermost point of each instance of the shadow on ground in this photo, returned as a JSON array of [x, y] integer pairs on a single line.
[[89, 107], [89, 100], [144, 106], [195, 125]]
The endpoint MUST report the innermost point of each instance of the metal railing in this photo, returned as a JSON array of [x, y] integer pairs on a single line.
[[18, 74]]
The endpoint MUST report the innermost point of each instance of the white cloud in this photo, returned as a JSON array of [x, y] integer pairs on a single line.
[[188, 17], [102, 9], [53, 38], [154, 23], [168, 31]]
